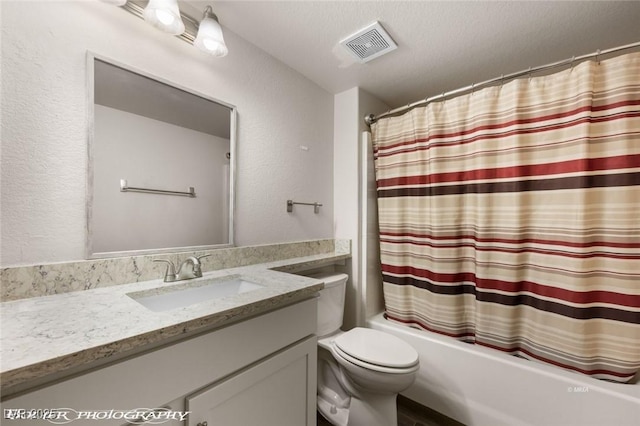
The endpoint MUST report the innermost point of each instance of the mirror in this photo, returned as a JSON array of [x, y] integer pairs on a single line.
[[161, 165]]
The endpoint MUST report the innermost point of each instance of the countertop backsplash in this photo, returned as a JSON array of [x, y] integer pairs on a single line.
[[23, 282]]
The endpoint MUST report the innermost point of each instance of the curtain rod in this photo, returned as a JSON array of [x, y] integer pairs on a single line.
[[371, 118]]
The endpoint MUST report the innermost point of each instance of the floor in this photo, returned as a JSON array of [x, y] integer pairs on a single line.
[[412, 414]]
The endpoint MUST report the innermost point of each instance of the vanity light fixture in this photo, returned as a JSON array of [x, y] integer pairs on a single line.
[[164, 15], [209, 38]]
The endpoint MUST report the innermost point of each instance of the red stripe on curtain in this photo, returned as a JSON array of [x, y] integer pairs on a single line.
[[570, 166], [574, 255], [404, 239]]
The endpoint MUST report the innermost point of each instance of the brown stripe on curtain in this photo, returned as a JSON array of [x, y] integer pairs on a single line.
[[622, 179], [510, 217]]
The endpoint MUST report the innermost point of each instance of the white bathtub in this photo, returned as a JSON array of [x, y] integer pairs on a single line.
[[483, 387]]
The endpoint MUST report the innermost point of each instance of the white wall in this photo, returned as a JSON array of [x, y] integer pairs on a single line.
[[370, 267], [285, 126], [371, 295], [345, 193], [350, 107], [162, 156]]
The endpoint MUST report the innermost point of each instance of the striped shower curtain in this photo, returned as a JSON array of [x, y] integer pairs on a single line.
[[510, 217]]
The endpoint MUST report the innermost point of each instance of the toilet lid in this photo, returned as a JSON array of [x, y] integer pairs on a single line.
[[376, 347]]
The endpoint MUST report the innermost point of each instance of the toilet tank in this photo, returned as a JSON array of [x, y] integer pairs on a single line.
[[331, 302]]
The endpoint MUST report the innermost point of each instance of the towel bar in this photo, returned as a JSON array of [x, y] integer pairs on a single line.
[[316, 206], [126, 188]]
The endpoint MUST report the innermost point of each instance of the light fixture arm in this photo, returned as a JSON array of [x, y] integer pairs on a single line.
[[208, 13]]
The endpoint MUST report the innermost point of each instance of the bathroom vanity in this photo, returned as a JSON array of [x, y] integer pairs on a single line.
[[240, 374], [248, 358]]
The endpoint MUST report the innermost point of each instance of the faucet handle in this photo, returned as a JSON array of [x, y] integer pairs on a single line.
[[197, 267], [170, 273]]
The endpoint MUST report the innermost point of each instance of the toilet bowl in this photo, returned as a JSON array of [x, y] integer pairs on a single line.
[[360, 371]]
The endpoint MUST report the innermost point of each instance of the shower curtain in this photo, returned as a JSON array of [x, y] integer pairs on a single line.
[[510, 217]]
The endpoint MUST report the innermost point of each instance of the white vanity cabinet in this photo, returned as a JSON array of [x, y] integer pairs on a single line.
[[273, 392], [258, 371]]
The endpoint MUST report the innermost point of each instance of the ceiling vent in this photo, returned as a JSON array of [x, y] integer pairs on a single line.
[[369, 43]]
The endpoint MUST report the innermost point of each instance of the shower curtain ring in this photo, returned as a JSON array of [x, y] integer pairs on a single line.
[[573, 59], [529, 73], [472, 86], [598, 56]]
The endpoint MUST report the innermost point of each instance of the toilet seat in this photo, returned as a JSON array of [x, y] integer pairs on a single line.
[[373, 367], [377, 351]]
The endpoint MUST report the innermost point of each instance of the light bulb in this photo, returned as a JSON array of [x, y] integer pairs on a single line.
[[164, 15], [210, 44]]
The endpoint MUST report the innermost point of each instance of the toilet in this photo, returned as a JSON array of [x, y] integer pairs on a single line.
[[360, 371]]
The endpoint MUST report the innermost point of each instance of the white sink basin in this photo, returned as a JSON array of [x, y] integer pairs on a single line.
[[185, 294]]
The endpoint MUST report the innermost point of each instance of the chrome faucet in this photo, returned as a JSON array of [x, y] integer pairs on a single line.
[[196, 268], [195, 271]]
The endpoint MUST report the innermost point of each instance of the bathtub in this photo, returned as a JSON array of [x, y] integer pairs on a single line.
[[478, 386]]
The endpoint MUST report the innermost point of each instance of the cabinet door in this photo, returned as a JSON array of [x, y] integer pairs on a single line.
[[277, 391]]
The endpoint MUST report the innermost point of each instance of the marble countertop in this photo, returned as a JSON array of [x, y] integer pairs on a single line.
[[48, 335]]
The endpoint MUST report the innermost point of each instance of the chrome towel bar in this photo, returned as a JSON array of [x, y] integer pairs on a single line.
[[126, 188], [316, 206]]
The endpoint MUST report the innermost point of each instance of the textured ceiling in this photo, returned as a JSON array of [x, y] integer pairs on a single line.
[[442, 46]]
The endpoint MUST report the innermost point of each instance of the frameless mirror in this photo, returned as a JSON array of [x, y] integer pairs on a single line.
[[161, 165]]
